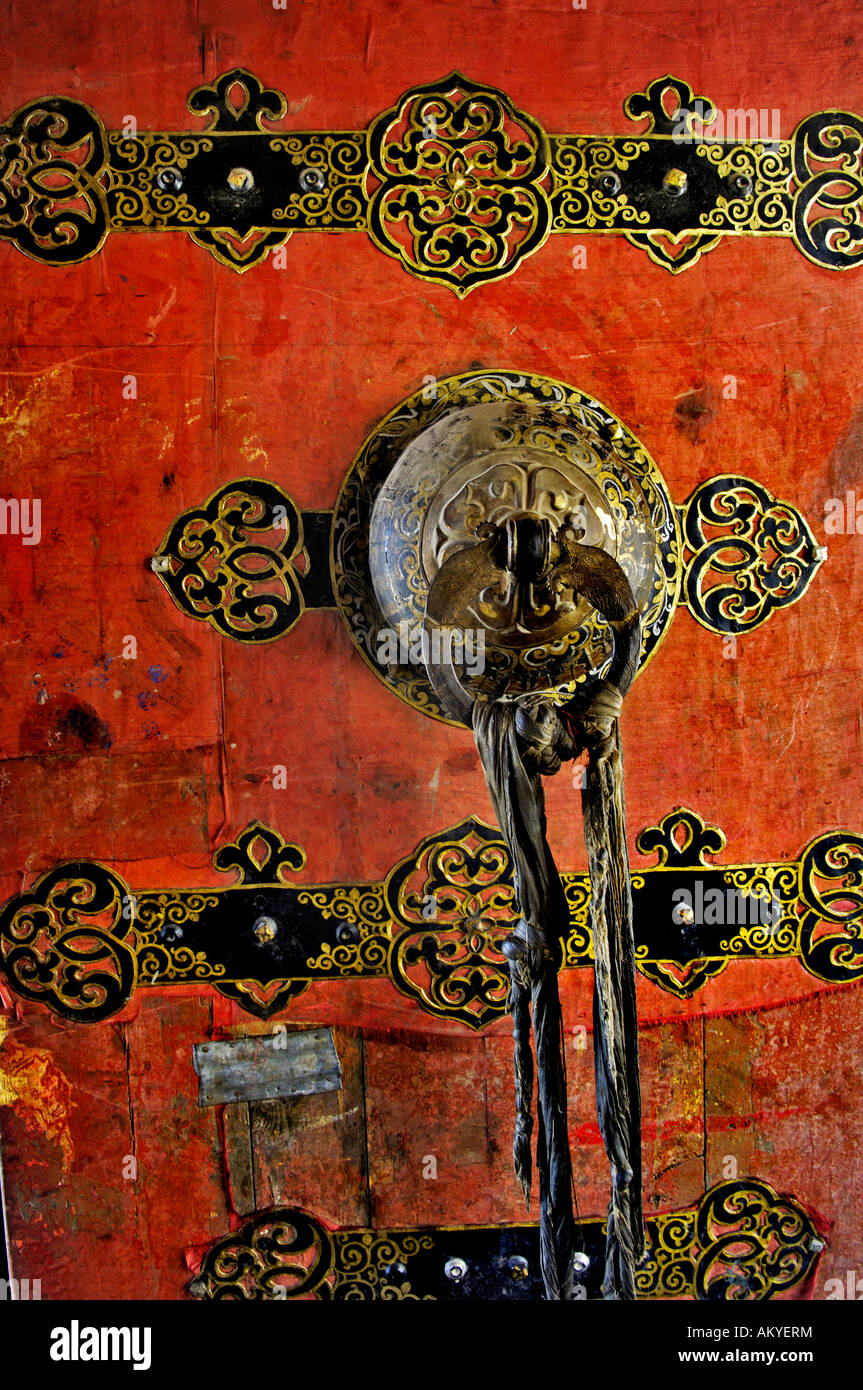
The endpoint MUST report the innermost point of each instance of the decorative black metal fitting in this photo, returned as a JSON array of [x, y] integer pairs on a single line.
[[454, 181], [742, 1241], [80, 940]]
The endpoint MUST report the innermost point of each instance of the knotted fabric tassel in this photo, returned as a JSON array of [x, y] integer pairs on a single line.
[[517, 743], [615, 1036], [519, 740], [518, 1004]]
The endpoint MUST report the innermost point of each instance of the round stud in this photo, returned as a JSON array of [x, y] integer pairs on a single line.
[[675, 182], [241, 180], [517, 1267], [265, 929], [347, 934], [742, 185], [609, 184], [169, 180], [313, 181], [455, 1270], [580, 1262], [395, 1273]]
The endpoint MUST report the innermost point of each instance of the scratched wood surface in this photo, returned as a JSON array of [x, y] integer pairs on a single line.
[[148, 764]]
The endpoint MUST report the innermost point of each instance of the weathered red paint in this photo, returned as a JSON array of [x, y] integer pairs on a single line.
[[148, 764]]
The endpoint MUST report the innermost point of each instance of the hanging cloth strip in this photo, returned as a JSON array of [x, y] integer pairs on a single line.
[[520, 740], [517, 743]]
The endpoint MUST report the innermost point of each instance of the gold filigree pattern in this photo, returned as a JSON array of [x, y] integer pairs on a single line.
[[452, 904], [578, 945], [233, 562], [453, 181], [136, 197], [333, 200], [831, 895], [742, 1241], [69, 942], [79, 941], [364, 909], [746, 554], [456, 184], [53, 166], [667, 1271], [761, 170], [585, 198], [568, 428], [828, 186], [369, 1265], [161, 957], [770, 894]]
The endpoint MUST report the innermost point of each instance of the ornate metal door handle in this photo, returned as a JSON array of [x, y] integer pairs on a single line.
[[249, 563]]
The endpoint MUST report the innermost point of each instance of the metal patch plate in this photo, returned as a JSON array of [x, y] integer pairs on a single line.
[[264, 1068]]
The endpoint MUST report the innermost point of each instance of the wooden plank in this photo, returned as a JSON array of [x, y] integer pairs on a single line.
[[238, 1158], [180, 1198], [312, 1151]]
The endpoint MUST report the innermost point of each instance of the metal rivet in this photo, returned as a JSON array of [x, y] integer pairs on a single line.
[[169, 180], [455, 1270], [742, 184], [815, 1244], [265, 929], [686, 915], [609, 183], [580, 1262], [346, 933], [395, 1273], [518, 1267], [675, 182], [241, 180], [313, 181], [161, 564]]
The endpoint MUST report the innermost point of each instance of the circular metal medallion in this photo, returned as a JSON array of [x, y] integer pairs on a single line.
[[473, 449]]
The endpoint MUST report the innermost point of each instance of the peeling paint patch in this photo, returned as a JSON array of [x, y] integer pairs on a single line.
[[35, 1087]]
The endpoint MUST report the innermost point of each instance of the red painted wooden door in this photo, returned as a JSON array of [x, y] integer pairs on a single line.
[[137, 383]]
